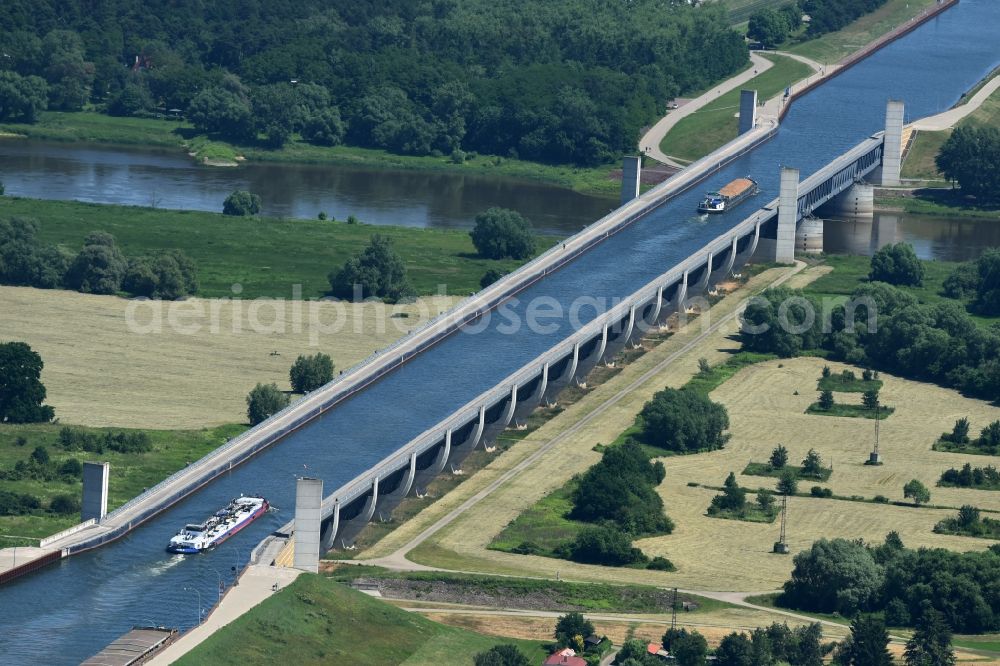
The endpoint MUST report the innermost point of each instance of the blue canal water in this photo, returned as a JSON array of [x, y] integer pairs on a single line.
[[69, 611]]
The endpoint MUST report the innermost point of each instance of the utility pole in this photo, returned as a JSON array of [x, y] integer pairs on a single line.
[[673, 612], [781, 546], [875, 458]]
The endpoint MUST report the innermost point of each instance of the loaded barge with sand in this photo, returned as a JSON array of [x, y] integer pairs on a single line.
[[730, 195]]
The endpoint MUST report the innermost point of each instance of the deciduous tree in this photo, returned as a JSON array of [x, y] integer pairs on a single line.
[[501, 233], [264, 401], [21, 390], [308, 373]]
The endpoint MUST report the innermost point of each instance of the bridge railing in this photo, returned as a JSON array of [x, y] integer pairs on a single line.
[[361, 483]]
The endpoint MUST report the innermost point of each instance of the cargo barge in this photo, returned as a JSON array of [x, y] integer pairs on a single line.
[[225, 523], [729, 196]]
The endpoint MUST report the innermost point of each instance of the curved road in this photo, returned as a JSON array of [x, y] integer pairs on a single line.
[[650, 142], [949, 118]]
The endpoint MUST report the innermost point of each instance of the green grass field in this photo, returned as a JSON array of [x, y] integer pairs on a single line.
[[850, 411], [837, 384], [316, 620], [98, 128], [545, 524], [850, 272], [131, 473], [558, 595], [265, 255], [764, 469], [716, 124], [836, 45], [919, 163], [751, 514]]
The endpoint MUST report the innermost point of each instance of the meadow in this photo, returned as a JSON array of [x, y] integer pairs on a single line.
[[264, 256], [318, 621], [189, 364]]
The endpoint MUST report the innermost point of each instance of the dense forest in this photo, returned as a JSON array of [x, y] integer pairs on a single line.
[[556, 81]]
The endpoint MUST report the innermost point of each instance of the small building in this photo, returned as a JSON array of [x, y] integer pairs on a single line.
[[656, 649], [592, 642], [565, 657]]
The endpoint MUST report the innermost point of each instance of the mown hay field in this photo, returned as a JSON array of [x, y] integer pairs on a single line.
[[462, 545], [99, 372], [648, 628], [726, 555]]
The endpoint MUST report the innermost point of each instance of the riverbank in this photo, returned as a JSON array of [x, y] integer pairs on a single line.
[[131, 472], [92, 127], [940, 202], [265, 256]]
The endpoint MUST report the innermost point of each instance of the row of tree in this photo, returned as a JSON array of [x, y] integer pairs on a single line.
[[977, 282], [566, 81], [831, 15], [888, 329], [619, 496], [772, 26], [99, 268], [849, 577], [971, 477]]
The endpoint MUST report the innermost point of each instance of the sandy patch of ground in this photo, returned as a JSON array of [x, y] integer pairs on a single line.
[[98, 372]]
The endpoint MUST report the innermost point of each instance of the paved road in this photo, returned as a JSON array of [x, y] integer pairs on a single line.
[[943, 121], [650, 142]]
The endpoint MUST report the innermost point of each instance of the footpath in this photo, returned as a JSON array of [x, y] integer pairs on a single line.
[[770, 113]]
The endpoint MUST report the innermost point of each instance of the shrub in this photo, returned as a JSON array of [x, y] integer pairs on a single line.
[[660, 563], [264, 401], [308, 373], [64, 505], [819, 491], [17, 504], [72, 468], [378, 271], [241, 203], [684, 421], [491, 276], [604, 545], [621, 488], [837, 575], [501, 233], [99, 268], [526, 548], [897, 264]]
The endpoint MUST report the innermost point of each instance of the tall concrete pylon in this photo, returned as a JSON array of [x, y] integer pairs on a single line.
[[95, 491], [892, 148], [631, 173], [748, 110], [788, 203], [308, 516]]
